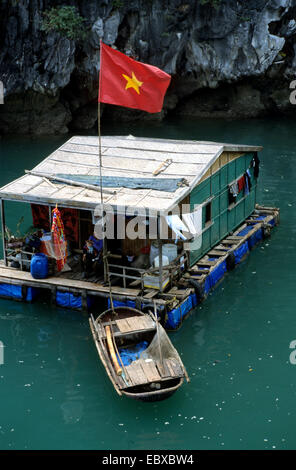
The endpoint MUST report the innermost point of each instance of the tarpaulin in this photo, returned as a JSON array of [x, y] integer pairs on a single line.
[[161, 184], [255, 238], [175, 316], [240, 252], [15, 292], [128, 355], [69, 300]]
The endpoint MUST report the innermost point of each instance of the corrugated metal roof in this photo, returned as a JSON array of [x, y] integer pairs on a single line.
[[122, 157]]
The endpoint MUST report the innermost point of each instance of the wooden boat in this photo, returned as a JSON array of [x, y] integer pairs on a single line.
[[155, 373]]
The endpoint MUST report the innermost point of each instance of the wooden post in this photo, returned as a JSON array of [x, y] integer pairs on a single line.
[[84, 301], [160, 263], [53, 297], [3, 231], [124, 278]]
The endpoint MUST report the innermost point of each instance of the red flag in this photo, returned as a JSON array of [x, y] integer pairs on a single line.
[[127, 82]]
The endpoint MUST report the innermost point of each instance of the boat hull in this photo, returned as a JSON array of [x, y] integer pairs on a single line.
[[157, 395]]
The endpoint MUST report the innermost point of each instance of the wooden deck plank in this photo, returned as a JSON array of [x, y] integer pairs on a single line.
[[136, 373], [169, 366], [216, 253], [148, 322], [150, 294], [163, 369], [11, 273], [206, 263], [175, 367], [123, 325], [134, 323], [150, 370]]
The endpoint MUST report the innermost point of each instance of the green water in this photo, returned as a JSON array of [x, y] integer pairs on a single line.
[[54, 393]]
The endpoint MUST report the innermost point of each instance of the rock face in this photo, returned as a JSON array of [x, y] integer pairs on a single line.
[[227, 58]]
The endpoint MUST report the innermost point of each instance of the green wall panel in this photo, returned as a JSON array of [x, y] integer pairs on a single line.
[[216, 207], [215, 231], [223, 224], [206, 240], [239, 213], [231, 219], [216, 183], [240, 167], [231, 172], [224, 200], [223, 176], [201, 193], [224, 219]]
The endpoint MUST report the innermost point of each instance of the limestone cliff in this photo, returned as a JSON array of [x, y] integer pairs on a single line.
[[227, 58]]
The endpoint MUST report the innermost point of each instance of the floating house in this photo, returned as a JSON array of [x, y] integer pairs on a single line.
[[194, 204]]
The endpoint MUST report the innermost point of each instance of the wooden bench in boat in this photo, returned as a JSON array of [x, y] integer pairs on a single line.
[[144, 371], [130, 325]]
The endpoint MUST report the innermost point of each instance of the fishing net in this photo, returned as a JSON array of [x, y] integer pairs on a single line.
[[54, 250], [166, 349]]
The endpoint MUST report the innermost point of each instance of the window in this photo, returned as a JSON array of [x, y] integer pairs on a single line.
[[208, 213]]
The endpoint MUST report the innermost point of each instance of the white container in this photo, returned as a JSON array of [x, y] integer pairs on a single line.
[[153, 252], [165, 261], [170, 250]]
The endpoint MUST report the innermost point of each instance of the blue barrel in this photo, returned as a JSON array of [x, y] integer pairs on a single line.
[[39, 266]]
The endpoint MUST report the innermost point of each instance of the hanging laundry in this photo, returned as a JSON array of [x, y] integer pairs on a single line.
[[247, 189], [249, 178], [188, 219], [248, 183], [241, 183], [194, 223], [233, 192], [176, 224], [233, 188]]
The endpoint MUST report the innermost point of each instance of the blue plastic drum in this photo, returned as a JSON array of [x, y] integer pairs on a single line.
[[39, 266]]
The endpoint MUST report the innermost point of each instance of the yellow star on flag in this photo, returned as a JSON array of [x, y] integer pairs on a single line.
[[132, 82]]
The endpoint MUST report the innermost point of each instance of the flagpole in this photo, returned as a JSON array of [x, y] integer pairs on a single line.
[[105, 255], [100, 164]]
